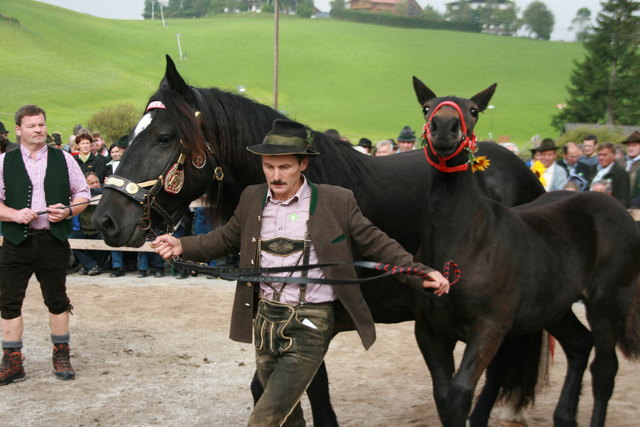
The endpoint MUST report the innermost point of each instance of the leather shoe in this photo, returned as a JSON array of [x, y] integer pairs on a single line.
[[158, 273], [118, 272], [94, 271], [83, 271], [182, 274], [142, 273]]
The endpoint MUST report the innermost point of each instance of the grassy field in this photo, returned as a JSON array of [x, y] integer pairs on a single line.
[[352, 77]]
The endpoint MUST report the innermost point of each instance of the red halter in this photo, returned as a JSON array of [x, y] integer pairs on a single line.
[[468, 142]]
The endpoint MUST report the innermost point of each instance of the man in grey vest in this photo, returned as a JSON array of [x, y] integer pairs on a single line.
[[285, 222], [37, 185]]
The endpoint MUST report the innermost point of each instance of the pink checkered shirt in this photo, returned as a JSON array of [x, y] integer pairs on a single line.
[[289, 219], [37, 168]]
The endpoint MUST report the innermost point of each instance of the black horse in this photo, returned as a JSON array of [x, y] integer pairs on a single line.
[[198, 137], [524, 268]]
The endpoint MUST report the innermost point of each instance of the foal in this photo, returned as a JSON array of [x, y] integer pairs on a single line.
[[522, 269]]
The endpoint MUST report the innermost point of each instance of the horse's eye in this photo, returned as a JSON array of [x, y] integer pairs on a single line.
[[164, 139], [474, 113], [425, 110]]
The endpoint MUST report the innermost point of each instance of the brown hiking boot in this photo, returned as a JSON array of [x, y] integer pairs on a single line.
[[61, 363], [11, 369]]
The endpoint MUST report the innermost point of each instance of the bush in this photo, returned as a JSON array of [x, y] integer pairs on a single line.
[[604, 134], [114, 122], [403, 21]]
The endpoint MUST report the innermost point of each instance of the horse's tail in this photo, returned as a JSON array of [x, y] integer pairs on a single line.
[[520, 356], [629, 342]]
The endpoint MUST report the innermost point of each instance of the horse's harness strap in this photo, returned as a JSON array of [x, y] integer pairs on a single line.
[[450, 271], [137, 191]]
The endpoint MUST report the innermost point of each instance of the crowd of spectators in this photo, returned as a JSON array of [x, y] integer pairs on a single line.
[[587, 165]]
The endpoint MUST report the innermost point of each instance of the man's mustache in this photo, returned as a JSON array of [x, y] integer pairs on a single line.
[[277, 182]]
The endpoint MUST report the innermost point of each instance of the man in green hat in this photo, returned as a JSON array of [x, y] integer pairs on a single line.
[[5, 144], [290, 221]]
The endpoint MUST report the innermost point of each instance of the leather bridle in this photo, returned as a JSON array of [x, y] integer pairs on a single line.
[[170, 180]]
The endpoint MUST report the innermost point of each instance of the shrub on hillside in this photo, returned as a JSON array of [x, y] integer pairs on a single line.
[[114, 122], [403, 21], [604, 134]]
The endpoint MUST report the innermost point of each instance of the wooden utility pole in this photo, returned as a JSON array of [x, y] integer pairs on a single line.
[[276, 14]]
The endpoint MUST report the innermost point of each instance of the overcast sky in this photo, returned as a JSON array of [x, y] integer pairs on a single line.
[[563, 10]]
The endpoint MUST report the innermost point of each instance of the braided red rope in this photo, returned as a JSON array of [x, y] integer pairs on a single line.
[[450, 271]]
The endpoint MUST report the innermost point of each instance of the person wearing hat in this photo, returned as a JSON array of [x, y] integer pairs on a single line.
[[406, 139], [552, 176], [632, 158], [364, 146], [290, 221], [5, 144]]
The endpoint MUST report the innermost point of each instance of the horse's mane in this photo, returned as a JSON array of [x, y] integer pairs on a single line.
[[232, 122]]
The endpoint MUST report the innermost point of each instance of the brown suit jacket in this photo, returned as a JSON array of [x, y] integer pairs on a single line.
[[336, 227]]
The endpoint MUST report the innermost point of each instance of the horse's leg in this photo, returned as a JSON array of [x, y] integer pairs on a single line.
[[514, 370], [603, 319], [318, 393], [494, 378], [478, 353], [576, 343], [438, 355]]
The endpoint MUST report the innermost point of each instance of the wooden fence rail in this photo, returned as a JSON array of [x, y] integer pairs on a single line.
[[100, 245]]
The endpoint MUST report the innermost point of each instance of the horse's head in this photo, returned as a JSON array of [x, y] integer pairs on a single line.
[[450, 123], [161, 170]]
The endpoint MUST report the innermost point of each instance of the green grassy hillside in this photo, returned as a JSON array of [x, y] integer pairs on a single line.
[[352, 77]]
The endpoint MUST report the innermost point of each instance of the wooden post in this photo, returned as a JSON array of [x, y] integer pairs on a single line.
[[276, 15]]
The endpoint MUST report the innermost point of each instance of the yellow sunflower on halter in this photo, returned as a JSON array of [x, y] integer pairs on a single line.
[[480, 163], [538, 169]]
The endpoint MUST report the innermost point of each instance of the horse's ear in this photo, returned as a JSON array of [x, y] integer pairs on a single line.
[[422, 91], [176, 83], [482, 99]]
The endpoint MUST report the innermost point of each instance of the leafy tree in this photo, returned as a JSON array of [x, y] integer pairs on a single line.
[[538, 20], [580, 24], [149, 7], [461, 11], [605, 87], [337, 4], [430, 13], [497, 19], [507, 20], [304, 8], [113, 122]]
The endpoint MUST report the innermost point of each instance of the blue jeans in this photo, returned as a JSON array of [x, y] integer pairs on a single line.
[[88, 258], [291, 342], [117, 260], [146, 258]]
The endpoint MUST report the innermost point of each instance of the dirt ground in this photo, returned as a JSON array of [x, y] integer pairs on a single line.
[[156, 352]]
